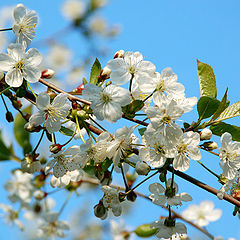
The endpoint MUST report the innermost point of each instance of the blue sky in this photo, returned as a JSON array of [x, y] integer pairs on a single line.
[[173, 34]]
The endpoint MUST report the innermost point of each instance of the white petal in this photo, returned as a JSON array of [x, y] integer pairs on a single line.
[[58, 170], [156, 188], [43, 101], [14, 78], [33, 57], [31, 74], [6, 62]]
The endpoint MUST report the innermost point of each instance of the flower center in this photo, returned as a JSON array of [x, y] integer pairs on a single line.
[[166, 119], [132, 69], [27, 28], [159, 150], [19, 64], [160, 86], [105, 98], [182, 148]]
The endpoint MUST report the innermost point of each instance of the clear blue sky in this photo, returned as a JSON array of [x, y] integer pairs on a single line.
[[169, 33]]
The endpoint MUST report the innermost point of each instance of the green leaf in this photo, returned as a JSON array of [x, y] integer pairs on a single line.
[[5, 152], [141, 131], [89, 168], [207, 81], [22, 136], [222, 106], [66, 131], [106, 164], [95, 72], [221, 127], [130, 109], [207, 106], [145, 231], [230, 112]]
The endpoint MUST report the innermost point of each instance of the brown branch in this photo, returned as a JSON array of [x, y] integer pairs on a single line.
[[70, 96], [175, 214], [204, 186]]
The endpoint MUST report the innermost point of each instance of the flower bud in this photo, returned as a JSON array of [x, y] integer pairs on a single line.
[[99, 210], [31, 127], [142, 168], [119, 54], [39, 195], [79, 89], [205, 134], [131, 178], [55, 148], [210, 145], [48, 74], [104, 74], [9, 116]]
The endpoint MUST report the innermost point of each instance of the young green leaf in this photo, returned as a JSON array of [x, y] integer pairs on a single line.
[[95, 72], [207, 106], [21, 135], [141, 131], [230, 112], [222, 106], [221, 127], [207, 81], [66, 131], [145, 231]]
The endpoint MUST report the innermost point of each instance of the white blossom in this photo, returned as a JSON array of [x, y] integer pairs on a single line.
[[111, 200], [59, 57], [30, 165], [73, 9], [11, 216], [24, 24], [19, 187], [118, 231], [229, 155], [107, 102], [157, 148], [63, 161], [169, 196], [164, 84], [203, 214], [51, 113], [20, 65], [163, 117], [130, 66], [52, 227], [165, 232], [74, 176], [121, 144], [187, 147]]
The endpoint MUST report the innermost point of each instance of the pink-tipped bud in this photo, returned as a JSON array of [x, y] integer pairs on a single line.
[[105, 74], [55, 148], [79, 89], [205, 134], [48, 74], [210, 145], [119, 54]]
